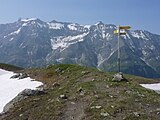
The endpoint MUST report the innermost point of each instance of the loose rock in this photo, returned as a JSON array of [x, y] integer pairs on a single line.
[[64, 96]]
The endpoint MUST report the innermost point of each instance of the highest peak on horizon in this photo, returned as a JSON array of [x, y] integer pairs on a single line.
[[28, 19], [99, 23]]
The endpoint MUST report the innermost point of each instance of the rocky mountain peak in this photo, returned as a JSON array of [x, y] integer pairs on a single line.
[[32, 42], [99, 23]]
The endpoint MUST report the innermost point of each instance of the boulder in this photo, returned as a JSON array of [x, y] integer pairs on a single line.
[[15, 76], [20, 76], [29, 92], [23, 75], [21, 96], [119, 77], [63, 96]]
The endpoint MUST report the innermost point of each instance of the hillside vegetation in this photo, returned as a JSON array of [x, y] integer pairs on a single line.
[[9, 67], [79, 93]]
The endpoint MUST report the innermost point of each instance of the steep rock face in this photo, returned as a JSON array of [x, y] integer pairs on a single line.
[[32, 42], [26, 44]]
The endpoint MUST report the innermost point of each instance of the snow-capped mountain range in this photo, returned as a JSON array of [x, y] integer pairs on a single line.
[[33, 42]]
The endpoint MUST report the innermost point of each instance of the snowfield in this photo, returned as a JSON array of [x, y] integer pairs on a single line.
[[9, 88], [155, 86]]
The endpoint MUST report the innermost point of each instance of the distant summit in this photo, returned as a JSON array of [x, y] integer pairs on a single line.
[[32, 42]]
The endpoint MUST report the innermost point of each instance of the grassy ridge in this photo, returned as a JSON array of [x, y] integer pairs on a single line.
[[90, 95], [9, 67]]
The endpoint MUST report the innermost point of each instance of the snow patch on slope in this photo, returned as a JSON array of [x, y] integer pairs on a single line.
[[139, 34], [106, 35], [72, 26], [87, 26], [15, 32], [27, 20], [55, 25], [24, 24], [9, 88], [155, 86], [64, 42]]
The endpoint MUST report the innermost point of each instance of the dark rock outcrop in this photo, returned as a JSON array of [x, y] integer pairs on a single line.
[[20, 76], [21, 96]]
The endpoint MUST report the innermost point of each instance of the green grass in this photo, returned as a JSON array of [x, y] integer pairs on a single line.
[[86, 88], [9, 67]]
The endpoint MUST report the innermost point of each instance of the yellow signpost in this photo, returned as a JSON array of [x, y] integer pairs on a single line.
[[116, 31], [120, 31], [123, 33], [124, 27]]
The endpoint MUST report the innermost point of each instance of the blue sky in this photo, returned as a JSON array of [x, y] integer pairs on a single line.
[[139, 14]]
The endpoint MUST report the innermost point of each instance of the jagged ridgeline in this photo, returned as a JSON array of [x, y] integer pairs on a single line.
[[33, 43], [82, 93]]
